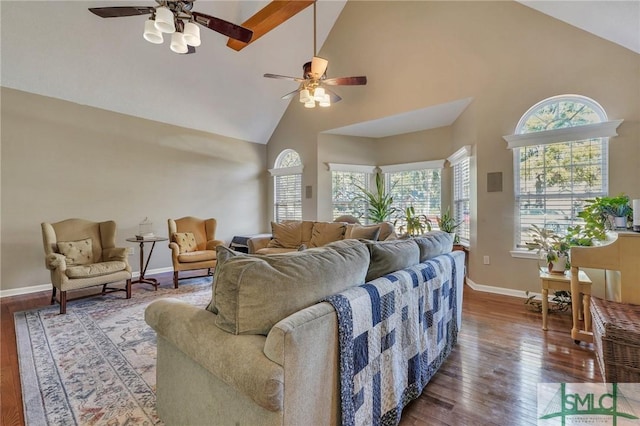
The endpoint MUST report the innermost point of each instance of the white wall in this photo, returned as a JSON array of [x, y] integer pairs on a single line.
[[62, 160]]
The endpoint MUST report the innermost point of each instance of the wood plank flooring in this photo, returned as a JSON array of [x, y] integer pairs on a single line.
[[490, 378]]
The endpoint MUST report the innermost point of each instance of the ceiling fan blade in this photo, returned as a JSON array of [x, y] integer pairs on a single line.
[[283, 77], [291, 94], [223, 27], [318, 66], [346, 81], [333, 95], [118, 11]]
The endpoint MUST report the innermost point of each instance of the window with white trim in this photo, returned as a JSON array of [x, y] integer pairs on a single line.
[[461, 191], [418, 185], [346, 195], [287, 175], [560, 152]]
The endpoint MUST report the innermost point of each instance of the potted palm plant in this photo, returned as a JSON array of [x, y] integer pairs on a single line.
[[550, 246], [380, 202]]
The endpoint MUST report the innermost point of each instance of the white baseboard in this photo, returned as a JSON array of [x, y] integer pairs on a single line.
[[501, 290], [47, 287]]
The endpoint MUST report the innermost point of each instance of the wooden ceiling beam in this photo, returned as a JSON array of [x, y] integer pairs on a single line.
[[269, 17]]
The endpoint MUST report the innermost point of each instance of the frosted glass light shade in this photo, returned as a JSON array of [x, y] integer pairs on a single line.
[[178, 44], [326, 101], [305, 97], [151, 33], [310, 104], [318, 94], [164, 20], [192, 34]]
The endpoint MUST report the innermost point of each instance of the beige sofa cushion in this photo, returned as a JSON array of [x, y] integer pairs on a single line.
[[433, 244], [253, 292], [197, 256], [366, 232], [95, 269], [287, 235], [76, 252], [326, 232], [390, 256]]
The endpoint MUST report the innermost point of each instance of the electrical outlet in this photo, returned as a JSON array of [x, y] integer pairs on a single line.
[[485, 260]]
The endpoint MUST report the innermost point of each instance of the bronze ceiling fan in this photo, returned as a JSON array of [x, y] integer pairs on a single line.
[[176, 17], [314, 79]]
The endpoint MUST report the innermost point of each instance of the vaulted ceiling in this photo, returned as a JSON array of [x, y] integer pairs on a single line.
[[59, 49]]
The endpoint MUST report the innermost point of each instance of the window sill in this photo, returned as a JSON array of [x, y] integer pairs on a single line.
[[524, 254]]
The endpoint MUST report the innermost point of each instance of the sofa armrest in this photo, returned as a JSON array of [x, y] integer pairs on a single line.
[[306, 345], [212, 244], [237, 360], [256, 243], [56, 261]]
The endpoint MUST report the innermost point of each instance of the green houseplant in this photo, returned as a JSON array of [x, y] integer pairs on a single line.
[[380, 202], [447, 223], [599, 214], [554, 247], [416, 224]]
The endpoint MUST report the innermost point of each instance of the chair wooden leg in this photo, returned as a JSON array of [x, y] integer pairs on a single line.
[[63, 302], [175, 279], [129, 288], [53, 295]]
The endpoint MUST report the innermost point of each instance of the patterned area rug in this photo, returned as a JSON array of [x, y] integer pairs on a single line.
[[96, 364]]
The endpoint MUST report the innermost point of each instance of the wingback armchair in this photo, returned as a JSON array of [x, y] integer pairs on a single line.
[[80, 254], [193, 245]]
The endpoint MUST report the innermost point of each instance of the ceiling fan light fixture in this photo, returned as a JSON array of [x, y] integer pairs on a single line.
[[192, 34], [326, 101], [310, 104], [318, 94], [178, 44], [305, 96], [165, 20], [151, 33]]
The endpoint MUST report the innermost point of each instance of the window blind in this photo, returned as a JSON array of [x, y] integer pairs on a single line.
[[418, 188], [288, 197], [346, 196], [461, 197]]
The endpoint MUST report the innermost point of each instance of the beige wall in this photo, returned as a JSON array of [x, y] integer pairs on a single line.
[[503, 55], [62, 160]]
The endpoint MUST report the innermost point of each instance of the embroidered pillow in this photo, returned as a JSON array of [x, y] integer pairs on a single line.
[[186, 241], [76, 252]]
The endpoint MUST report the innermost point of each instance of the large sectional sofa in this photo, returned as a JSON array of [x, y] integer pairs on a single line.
[[269, 348], [293, 235]]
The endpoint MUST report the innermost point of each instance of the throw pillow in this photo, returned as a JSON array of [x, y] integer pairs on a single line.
[[286, 235], [76, 252], [324, 233], [253, 292], [390, 256], [186, 241], [370, 232], [433, 244]]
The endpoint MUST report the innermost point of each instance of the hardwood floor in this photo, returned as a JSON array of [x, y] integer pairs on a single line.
[[491, 376]]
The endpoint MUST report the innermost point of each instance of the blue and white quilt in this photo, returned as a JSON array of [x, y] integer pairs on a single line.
[[394, 334]]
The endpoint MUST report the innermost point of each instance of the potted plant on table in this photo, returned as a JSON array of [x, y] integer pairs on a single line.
[[447, 223], [602, 213], [415, 224], [555, 248]]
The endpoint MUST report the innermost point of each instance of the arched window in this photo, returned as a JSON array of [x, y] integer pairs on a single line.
[[560, 152], [287, 180]]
